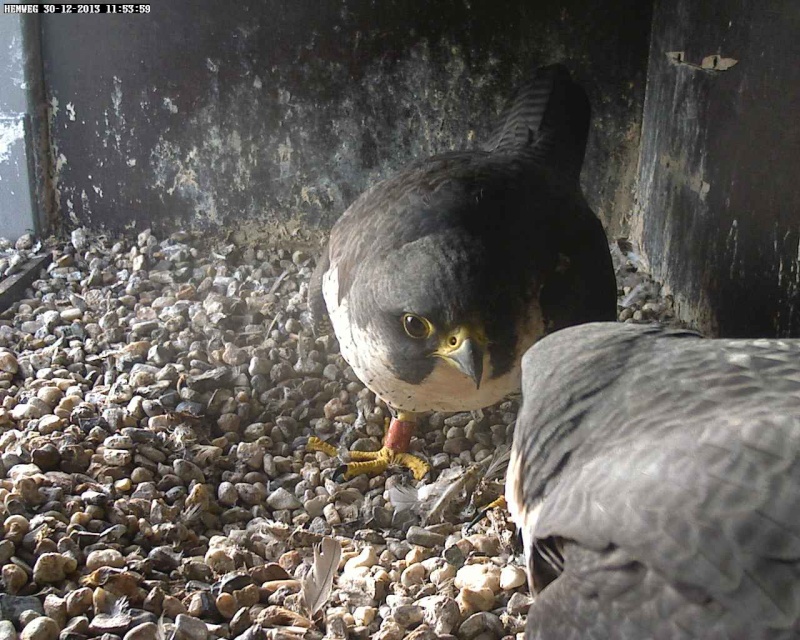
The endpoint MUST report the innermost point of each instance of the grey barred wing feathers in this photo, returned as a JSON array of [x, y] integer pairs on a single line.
[[667, 467]]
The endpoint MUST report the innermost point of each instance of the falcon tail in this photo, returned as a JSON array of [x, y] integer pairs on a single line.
[[548, 117]]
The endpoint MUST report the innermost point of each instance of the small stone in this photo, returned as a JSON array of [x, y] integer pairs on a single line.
[[15, 608], [53, 567], [117, 457], [283, 499], [172, 607], [281, 371], [389, 630], [144, 631], [188, 628], [334, 407], [51, 395], [442, 575], [104, 558], [71, 314], [6, 551], [188, 471], [226, 605], [484, 624], [470, 601], [315, 507], [229, 422], [27, 411], [441, 612], [478, 576], [485, 544], [46, 457], [519, 603], [407, 615], [423, 632], [7, 630], [16, 526], [413, 575], [8, 362], [49, 424], [332, 516], [512, 577], [55, 607], [234, 355], [13, 578], [79, 602], [363, 616], [424, 538], [80, 239], [259, 366], [227, 494], [366, 558], [41, 628]]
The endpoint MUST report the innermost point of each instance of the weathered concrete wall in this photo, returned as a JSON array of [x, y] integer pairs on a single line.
[[18, 208], [719, 216], [273, 116]]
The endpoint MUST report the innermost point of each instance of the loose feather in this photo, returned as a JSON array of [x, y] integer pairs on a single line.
[[498, 464], [318, 583]]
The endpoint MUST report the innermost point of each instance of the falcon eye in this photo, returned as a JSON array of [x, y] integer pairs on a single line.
[[416, 327]]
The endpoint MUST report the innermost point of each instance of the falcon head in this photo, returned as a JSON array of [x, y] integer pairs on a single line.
[[425, 329]]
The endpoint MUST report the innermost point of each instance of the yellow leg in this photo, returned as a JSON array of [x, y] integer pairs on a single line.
[[315, 444], [374, 463]]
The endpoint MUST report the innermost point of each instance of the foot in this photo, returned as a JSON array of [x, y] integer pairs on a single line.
[[394, 451], [500, 503]]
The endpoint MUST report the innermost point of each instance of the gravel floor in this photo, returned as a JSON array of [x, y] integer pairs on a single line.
[[156, 396]]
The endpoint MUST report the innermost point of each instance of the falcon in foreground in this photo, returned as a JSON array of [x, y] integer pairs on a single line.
[[438, 279], [655, 477]]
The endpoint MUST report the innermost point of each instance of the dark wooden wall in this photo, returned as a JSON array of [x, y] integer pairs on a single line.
[[719, 182]]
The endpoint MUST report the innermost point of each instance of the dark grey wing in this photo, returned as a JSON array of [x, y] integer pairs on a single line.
[[316, 301], [609, 595], [547, 123], [582, 288], [683, 454]]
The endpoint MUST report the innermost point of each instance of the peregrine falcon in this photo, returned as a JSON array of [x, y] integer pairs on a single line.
[[437, 279], [655, 477]]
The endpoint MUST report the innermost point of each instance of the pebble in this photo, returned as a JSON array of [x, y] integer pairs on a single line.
[[53, 567], [156, 397], [484, 624], [13, 578], [441, 612], [407, 615], [477, 577], [189, 628], [41, 628], [366, 558], [7, 630], [413, 575], [144, 631], [512, 577], [104, 558], [470, 601], [424, 537], [519, 603], [283, 499], [8, 362], [363, 616]]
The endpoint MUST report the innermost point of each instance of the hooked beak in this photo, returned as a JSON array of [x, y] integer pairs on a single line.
[[465, 353]]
